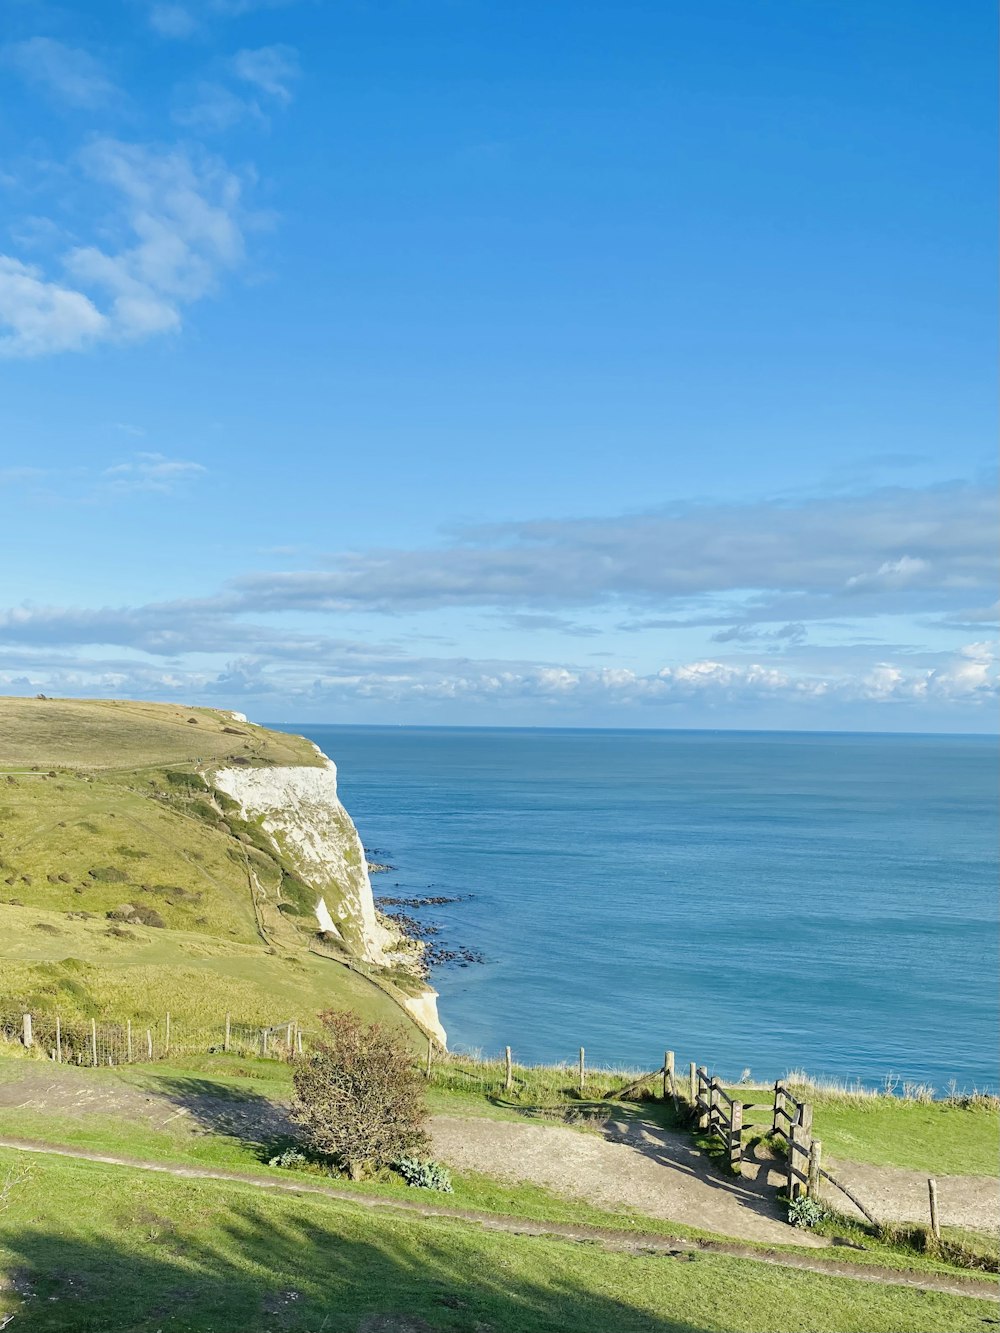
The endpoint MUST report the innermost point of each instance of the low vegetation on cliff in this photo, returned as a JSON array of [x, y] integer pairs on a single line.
[[130, 885]]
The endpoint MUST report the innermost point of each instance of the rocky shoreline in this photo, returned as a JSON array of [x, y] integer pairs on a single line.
[[435, 953]]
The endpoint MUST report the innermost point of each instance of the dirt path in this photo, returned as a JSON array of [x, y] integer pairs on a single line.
[[622, 1242], [632, 1165], [895, 1194]]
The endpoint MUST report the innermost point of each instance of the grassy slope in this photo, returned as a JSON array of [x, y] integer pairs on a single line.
[[101, 806], [201, 1139], [937, 1137], [143, 1253]]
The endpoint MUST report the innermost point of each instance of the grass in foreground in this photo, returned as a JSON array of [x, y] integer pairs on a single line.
[[212, 1092], [104, 1250]]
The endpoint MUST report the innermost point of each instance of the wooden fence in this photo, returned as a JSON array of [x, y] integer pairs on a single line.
[[89, 1042], [717, 1113]]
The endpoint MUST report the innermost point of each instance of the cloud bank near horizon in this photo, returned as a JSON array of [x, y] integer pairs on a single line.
[[770, 580]]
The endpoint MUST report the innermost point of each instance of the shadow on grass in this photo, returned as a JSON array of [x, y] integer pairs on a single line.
[[256, 1121], [250, 1272]]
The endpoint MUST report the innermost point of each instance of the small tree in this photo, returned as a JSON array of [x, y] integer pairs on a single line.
[[359, 1096]]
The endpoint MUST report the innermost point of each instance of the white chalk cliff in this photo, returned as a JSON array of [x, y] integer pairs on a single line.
[[298, 807]]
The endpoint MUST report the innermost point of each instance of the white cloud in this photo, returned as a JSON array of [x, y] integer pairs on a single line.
[[269, 68], [179, 219], [172, 20], [211, 108], [68, 73], [151, 472], [890, 574], [38, 316]]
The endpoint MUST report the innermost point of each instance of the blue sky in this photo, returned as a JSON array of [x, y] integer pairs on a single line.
[[570, 364]]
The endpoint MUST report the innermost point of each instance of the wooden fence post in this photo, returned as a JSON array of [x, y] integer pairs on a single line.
[[736, 1136], [932, 1197], [430, 1056], [508, 1078], [128, 1039], [58, 1040], [149, 1043], [166, 1040], [705, 1108], [263, 1041], [583, 1069], [93, 1040], [226, 1039], [693, 1084], [298, 1040], [26, 1029], [815, 1166], [669, 1083], [288, 1036], [793, 1181]]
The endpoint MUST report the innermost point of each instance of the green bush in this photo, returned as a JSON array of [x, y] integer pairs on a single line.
[[806, 1212], [291, 1159], [425, 1174]]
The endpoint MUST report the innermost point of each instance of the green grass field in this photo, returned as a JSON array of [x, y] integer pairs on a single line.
[[940, 1137], [100, 1249]]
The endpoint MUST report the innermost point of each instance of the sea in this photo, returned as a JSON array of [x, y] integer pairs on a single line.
[[755, 901]]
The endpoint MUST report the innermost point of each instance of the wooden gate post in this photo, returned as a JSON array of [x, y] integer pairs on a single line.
[[58, 1040], [26, 1029], [93, 1040], [149, 1043], [793, 1182], [583, 1069], [669, 1083], [508, 1077], [736, 1136], [693, 1084], [430, 1056], [815, 1167], [704, 1106], [226, 1039], [128, 1039], [166, 1040]]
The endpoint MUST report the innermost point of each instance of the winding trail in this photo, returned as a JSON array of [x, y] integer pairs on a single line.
[[623, 1242]]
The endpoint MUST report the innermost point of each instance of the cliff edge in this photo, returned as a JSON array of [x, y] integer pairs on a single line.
[[300, 810]]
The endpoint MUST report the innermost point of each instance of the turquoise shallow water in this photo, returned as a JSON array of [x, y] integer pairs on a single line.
[[752, 900]]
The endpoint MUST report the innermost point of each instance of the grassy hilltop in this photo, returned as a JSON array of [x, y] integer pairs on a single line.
[[128, 886]]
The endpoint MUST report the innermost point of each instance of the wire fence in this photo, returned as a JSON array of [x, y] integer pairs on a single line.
[[101, 1042]]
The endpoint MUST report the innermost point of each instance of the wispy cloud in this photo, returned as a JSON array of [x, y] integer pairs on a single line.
[[886, 551], [179, 220], [272, 69], [172, 20], [68, 73], [151, 472]]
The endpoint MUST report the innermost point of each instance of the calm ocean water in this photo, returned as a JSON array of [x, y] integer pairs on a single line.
[[753, 900]]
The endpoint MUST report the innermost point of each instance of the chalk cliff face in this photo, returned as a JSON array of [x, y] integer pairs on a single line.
[[299, 808]]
